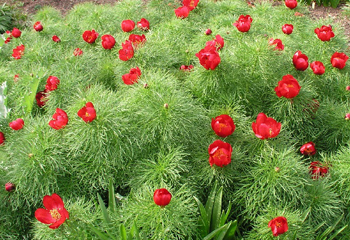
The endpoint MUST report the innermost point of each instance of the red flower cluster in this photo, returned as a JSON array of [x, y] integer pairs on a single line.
[[54, 214], [108, 41], [60, 119], [162, 197], [243, 23], [187, 7], [318, 169], [2, 138], [143, 24], [287, 29], [90, 36], [18, 52], [317, 67], [338, 60], [38, 27], [16, 33], [17, 124], [266, 127], [127, 25], [219, 153], [300, 61], [127, 51], [87, 113], [277, 42], [223, 125], [288, 87], [308, 149], [324, 33], [278, 226], [291, 3], [131, 77]]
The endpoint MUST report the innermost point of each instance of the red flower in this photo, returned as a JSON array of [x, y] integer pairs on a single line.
[[182, 12], [40, 98], [131, 77], [243, 23], [190, 4], [288, 87], [52, 83], [300, 61], [223, 125], [16, 33], [60, 119], [208, 57], [208, 31], [38, 27], [8, 39], [108, 41], [278, 42], [162, 197], [338, 60], [308, 149], [317, 170], [18, 52], [324, 33], [56, 39], [143, 24], [186, 68], [127, 25], [287, 29], [347, 116], [317, 67], [219, 153], [127, 51], [54, 214], [10, 187], [90, 36], [17, 124], [291, 3], [87, 113], [266, 127], [137, 40], [278, 226], [77, 52], [2, 138], [218, 42]]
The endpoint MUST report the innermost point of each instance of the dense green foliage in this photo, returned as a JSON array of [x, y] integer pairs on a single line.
[[138, 145]]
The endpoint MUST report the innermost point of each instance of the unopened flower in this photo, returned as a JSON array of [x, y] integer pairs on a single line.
[[291, 3], [308, 149], [16, 33], [108, 41], [38, 27], [223, 125], [17, 124], [56, 39], [347, 116], [127, 25], [162, 197], [287, 29], [208, 31], [10, 187], [300, 61], [219, 153]]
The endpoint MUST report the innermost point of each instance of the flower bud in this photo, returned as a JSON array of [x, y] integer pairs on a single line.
[[162, 197], [145, 85], [347, 116], [277, 169], [10, 187], [208, 31], [166, 106]]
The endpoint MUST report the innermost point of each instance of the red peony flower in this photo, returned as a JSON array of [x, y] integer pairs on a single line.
[[143, 24], [8, 39], [90, 36], [190, 4], [18, 52], [87, 113], [60, 119], [219, 153], [291, 3], [300, 61], [54, 214], [127, 25], [218, 42], [243, 23], [108, 41], [137, 40], [10, 187], [266, 127], [347, 88], [131, 77], [223, 125], [182, 12], [17, 124], [288, 87], [186, 68], [278, 42], [208, 31], [162, 197], [77, 52], [278, 226], [338, 60], [317, 170], [317, 67], [40, 98], [287, 29], [208, 57], [347, 116], [16, 33], [56, 39], [52, 83], [308, 149], [324, 33], [38, 27], [2, 138], [127, 51]]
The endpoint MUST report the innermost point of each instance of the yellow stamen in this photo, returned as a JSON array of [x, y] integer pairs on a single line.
[[55, 214]]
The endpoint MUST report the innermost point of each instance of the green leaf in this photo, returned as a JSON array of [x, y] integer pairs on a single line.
[[216, 211], [225, 216], [337, 232], [28, 100], [210, 202], [111, 197], [102, 236], [135, 231], [231, 231], [204, 216], [103, 209], [223, 233], [123, 232]]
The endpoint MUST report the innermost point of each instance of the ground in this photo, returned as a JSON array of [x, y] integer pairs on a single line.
[[31, 6]]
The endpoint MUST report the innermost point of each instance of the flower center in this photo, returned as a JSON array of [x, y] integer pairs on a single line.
[[278, 224], [218, 153], [55, 214]]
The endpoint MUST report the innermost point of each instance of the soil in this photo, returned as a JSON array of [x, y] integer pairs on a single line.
[[31, 6]]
